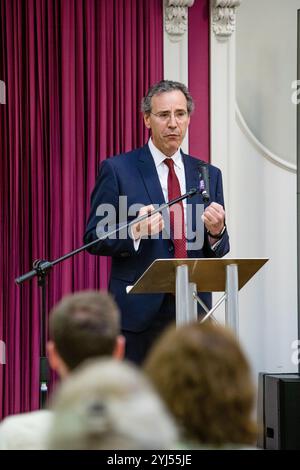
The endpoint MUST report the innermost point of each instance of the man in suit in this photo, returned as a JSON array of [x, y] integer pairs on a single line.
[[149, 176]]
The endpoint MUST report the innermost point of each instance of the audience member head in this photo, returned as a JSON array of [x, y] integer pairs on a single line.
[[83, 325], [204, 378], [109, 404]]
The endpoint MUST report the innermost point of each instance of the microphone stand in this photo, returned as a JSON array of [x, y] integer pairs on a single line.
[[41, 269]]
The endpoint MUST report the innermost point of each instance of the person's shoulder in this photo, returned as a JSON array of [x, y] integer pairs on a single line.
[[122, 158], [23, 421], [198, 161], [24, 430], [24, 418]]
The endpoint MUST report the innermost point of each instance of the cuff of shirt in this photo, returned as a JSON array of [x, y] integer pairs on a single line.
[[136, 243], [215, 245]]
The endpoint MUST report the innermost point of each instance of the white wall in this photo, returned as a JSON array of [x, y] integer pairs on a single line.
[[266, 65], [255, 149], [263, 224], [262, 193]]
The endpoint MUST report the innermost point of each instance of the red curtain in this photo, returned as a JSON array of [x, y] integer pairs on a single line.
[[75, 72], [198, 60]]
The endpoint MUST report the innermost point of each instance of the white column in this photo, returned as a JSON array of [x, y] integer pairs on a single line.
[[176, 43], [222, 103], [222, 91]]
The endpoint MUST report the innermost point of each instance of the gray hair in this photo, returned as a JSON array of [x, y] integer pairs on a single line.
[[163, 87], [109, 404]]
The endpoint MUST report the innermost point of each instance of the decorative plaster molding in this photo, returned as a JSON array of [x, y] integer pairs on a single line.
[[176, 17], [264, 151], [223, 16]]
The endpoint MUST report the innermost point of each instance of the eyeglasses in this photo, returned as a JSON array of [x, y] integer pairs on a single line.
[[164, 116]]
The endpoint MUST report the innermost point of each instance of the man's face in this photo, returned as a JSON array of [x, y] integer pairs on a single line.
[[168, 121]]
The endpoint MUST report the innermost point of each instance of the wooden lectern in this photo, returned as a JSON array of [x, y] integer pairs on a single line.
[[186, 277]]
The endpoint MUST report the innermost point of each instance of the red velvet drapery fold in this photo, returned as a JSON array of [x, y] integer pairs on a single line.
[[75, 71]]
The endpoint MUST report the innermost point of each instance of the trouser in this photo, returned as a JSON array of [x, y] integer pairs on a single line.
[[138, 344]]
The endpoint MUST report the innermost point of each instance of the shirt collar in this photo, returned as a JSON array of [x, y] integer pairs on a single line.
[[159, 157]]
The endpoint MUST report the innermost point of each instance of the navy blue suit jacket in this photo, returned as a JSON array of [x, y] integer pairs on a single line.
[[134, 174]]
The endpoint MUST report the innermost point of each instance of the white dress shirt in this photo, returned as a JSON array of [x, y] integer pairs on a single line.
[[163, 171]]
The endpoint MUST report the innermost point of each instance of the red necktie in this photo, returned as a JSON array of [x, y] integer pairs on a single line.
[[176, 212]]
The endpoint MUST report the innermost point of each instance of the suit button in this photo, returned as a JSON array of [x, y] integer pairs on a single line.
[[171, 248]]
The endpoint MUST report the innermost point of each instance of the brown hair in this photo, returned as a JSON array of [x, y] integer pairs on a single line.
[[84, 325], [205, 379]]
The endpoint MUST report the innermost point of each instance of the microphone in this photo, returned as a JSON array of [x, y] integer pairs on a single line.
[[204, 182]]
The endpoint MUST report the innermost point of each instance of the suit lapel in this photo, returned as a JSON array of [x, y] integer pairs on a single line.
[[149, 175], [195, 204], [191, 173], [191, 166]]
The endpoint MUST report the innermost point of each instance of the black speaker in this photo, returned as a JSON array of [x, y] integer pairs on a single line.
[[279, 411]]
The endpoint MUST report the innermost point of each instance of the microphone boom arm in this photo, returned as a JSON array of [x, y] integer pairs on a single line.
[[42, 267]]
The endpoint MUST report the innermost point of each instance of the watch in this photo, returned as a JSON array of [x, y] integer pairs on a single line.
[[218, 236]]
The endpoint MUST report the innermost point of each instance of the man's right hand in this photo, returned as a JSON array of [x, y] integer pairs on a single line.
[[149, 226]]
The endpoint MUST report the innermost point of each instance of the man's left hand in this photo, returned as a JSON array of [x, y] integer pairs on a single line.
[[214, 219]]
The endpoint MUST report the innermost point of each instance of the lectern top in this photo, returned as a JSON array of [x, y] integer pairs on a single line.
[[209, 274]]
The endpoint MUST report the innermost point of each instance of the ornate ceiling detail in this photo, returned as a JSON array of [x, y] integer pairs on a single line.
[[223, 16]]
